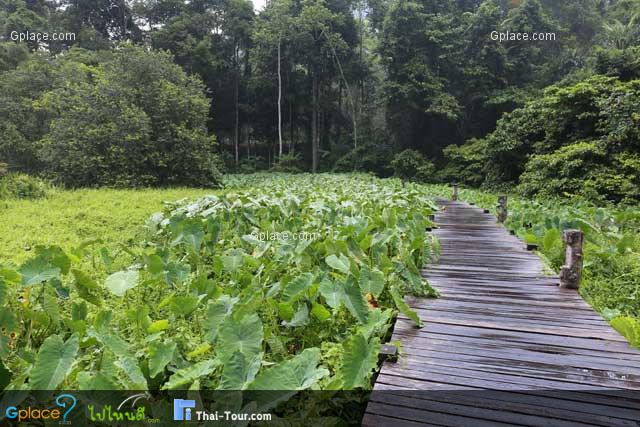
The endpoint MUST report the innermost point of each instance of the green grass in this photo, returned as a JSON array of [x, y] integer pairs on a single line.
[[68, 218]]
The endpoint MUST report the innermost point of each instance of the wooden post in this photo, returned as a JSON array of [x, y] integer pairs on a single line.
[[454, 196], [571, 272], [502, 209]]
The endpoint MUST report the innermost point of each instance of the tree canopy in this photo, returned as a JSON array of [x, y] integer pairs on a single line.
[[327, 85]]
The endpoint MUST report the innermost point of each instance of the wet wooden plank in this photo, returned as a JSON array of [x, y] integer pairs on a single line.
[[506, 336]]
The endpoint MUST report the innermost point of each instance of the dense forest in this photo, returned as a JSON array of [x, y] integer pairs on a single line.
[[175, 92]]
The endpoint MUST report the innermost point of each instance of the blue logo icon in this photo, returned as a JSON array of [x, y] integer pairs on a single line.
[[182, 409], [69, 405]]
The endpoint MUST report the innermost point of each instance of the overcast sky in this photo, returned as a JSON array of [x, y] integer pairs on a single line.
[[258, 5]]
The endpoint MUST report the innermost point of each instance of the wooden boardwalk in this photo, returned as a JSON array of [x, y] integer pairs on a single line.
[[503, 345]]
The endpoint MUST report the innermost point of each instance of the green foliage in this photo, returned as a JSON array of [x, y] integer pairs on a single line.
[[369, 157], [53, 363], [411, 165], [359, 360], [465, 163], [73, 220], [629, 328], [119, 283], [576, 140], [288, 163], [132, 119], [208, 304], [22, 186]]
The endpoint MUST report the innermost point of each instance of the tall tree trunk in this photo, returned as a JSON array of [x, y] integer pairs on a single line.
[[314, 123], [245, 137], [291, 127], [236, 95], [279, 99]]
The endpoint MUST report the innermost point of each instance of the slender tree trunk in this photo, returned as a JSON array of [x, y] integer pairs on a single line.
[[279, 99], [236, 90], [314, 124], [290, 127], [245, 137]]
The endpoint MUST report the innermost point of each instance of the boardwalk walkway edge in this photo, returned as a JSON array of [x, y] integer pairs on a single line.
[[504, 345]]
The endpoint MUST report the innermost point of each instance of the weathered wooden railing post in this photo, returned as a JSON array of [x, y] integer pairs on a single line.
[[571, 272], [454, 195], [502, 209]]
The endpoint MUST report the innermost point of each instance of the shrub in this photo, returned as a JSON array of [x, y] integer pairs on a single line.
[[22, 186], [580, 139], [583, 169], [133, 118], [465, 163], [371, 157], [289, 163], [411, 165]]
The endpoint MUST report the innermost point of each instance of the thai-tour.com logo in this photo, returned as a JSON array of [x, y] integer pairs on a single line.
[[185, 410], [65, 403]]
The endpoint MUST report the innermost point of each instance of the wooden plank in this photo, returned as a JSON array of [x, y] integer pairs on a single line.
[[498, 411], [438, 331], [592, 414], [430, 417], [480, 342], [526, 375]]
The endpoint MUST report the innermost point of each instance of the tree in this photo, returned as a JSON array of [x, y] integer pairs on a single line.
[[133, 119], [211, 38], [274, 26]]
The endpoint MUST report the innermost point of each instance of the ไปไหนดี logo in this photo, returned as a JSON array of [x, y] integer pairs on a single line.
[[182, 409]]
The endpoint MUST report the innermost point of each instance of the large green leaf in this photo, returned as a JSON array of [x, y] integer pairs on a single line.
[[341, 264], [371, 281], [113, 342], [8, 320], [403, 306], [354, 301], [359, 359], [119, 283], [38, 270], [136, 379], [55, 256], [298, 373], [244, 336], [5, 376], [192, 236], [184, 305], [217, 311], [239, 371], [184, 377], [160, 354], [332, 292], [87, 287], [233, 261], [297, 286], [300, 318], [53, 362]]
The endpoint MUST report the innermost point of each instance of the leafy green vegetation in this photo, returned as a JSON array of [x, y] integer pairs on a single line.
[[206, 303], [22, 186], [577, 140], [129, 118], [69, 218]]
